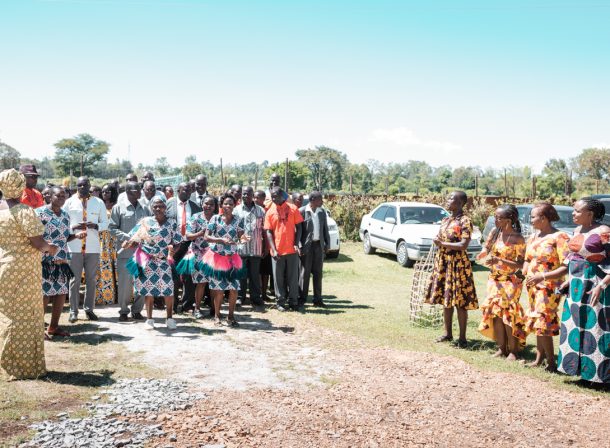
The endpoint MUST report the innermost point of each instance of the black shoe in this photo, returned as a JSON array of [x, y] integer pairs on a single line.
[[91, 315], [123, 318], [137, 316], [179, 309], [301, 308], [319, 304]]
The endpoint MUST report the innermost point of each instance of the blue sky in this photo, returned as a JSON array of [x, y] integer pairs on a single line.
[[489, 83]]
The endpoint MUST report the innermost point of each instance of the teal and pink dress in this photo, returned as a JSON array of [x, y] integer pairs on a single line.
[[222, 264], [584, 348]]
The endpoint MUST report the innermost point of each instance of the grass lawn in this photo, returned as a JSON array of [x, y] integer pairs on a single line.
[[368, 297]]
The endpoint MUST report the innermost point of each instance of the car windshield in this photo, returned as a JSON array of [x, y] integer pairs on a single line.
[[422, 215]]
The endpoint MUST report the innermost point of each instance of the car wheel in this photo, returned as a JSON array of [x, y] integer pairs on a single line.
[[366, 244], [402, 255], [332, 254]]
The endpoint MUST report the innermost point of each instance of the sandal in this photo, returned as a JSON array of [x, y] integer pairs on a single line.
[[47, 337], [217, 322], [232, 323], [444, 338], [461, 343], [59, 332]]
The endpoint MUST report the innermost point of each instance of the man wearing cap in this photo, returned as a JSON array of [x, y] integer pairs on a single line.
[[31, 196]]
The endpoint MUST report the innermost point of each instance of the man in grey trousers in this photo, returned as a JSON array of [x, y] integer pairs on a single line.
[[315, 241], [124, 216], [282, 223], [87, 213]]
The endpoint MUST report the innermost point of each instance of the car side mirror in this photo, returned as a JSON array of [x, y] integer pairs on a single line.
[[390, 220]]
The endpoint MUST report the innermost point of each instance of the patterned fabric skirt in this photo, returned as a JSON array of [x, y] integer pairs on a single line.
[[223, 271], [105, 292], [584, 342], [21, 319], [198, 275], [55, 279], [451, 283], [541, 318], [503, 293], [156, 280]]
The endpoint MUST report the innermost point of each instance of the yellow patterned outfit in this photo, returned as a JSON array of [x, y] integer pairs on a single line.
[[105, 291], [544, 255], [451, 283], [503, 293], [21, 306]]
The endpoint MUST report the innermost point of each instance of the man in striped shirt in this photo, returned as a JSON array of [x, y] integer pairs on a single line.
[[251, 252]]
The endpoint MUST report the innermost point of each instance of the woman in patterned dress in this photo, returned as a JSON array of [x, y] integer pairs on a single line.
[[544, 270], [195, 232], [584, 342], [21, 311], [222, 264], [452, 283], [155, 238], [503, 317], [105, 292], [56, 271]]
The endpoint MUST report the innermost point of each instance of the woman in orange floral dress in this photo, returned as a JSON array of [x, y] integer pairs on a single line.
[[451, 283], [503, 317], [544, 269]]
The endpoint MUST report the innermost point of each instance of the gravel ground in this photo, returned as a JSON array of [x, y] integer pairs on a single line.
[[388, 398], [269, 386]]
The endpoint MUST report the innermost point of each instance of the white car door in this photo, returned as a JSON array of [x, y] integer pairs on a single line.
[[375, 224], [387, 231]]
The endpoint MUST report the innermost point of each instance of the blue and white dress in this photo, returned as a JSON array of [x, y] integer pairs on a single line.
[[153, 276], [55, 276], [198, 247]]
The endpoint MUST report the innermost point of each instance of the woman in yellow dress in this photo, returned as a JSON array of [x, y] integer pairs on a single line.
[[21, 306], [544, 270], [503, 317]]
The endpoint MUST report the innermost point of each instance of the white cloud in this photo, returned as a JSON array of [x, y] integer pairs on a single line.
[[405, 137]]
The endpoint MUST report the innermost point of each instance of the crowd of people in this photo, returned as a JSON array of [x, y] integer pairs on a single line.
[[541, 265], [144, 246]]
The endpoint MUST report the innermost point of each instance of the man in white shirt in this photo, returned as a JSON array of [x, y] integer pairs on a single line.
[[86, 213]]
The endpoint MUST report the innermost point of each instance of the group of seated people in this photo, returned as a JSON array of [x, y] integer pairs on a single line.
[[144, 246], [541, 264]]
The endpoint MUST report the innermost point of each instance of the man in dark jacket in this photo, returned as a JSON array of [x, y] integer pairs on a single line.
[[180, 208], [315, 241]]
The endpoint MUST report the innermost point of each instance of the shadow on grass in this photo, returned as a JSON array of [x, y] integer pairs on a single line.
[[342, 258], [336, 306], [94, 378]]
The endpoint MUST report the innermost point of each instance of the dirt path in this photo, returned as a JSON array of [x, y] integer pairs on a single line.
[[271, 386]]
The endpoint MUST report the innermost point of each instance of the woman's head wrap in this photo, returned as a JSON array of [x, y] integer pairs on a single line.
[[12, 184], [154, 199]]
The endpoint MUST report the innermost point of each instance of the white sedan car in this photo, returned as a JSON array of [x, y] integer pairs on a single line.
[[406, 229]]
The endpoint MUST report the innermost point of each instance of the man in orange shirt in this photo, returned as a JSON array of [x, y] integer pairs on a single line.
[[31, 196], [282, 223]]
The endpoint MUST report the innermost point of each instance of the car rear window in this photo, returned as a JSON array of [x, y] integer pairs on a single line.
[[422, 215]]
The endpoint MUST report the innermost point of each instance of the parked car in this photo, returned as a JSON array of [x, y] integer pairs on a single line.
[[407, 229], [564, 224], [333, 231], [604, 199]]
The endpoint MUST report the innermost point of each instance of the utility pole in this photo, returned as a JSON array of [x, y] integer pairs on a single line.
[[533, 187], [476, 185], [82, 165], [505, 184], [256, 178], [222, 176], [286, 176]]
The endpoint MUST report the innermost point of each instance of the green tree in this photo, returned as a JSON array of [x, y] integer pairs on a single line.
[[83, 151], [552, 181], [326, 166], [9, 157], [594, 163], [162, 166], [298, 175]]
